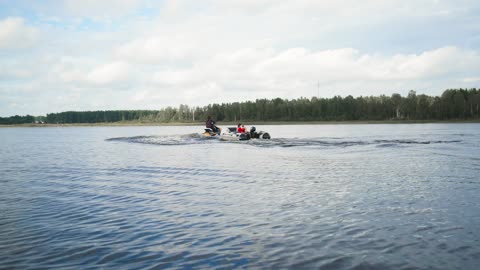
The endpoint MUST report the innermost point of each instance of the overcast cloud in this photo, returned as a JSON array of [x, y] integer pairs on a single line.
[[132, 54]]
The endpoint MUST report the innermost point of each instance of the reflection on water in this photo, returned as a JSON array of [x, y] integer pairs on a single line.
[[329, 197]]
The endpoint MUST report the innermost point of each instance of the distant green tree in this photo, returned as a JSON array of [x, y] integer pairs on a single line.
[[452, 104]]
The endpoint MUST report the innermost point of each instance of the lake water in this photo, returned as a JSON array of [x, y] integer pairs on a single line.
[[315, 196]]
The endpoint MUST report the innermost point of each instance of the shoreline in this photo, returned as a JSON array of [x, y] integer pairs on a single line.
[[149, 124]]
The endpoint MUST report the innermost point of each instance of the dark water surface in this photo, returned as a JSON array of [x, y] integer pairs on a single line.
[[313, 197]]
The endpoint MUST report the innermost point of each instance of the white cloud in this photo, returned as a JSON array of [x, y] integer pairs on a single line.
[[87, 73], [100, 9], [346, 7], [250, 69], [15, 34], [222, 51], [156, 49], [11, 72], [471, 80], [115, 72], [173, 77]]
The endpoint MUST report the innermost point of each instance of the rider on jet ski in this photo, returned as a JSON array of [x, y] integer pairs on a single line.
[[211, 124]]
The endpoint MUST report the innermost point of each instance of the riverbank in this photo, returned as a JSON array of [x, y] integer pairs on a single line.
[[258, 123]]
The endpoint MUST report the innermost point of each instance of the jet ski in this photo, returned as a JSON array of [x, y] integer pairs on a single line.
[[212, 133]]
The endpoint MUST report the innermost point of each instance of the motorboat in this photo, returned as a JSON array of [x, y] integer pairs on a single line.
[[232, 135], [254, 134]]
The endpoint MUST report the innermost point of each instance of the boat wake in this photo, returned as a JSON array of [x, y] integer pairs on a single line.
[[342, 142], [186, 139], [194, 138]]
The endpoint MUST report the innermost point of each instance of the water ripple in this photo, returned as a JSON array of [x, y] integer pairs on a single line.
[[190, 139], [76, 201]]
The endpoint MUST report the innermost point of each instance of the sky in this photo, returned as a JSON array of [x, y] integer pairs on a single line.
[[144, 54]]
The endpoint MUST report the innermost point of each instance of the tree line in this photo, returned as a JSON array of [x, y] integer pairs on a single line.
[[17, 119], [453, 104]]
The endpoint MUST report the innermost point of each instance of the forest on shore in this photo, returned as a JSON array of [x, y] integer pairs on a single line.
[[453, 104]]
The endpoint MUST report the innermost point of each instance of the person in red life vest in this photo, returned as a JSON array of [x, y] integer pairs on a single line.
[[240, 128]]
